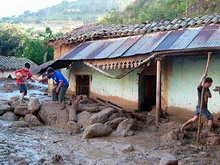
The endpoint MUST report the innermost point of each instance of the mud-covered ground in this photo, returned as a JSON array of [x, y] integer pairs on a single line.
[[47, 145]]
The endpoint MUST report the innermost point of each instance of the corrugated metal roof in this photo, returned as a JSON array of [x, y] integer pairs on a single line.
[[208, 36]]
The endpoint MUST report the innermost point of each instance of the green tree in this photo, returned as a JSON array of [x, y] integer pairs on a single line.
[[11, 37]]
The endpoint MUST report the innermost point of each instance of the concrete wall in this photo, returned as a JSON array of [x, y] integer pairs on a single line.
[[123, 92], [180, 79]]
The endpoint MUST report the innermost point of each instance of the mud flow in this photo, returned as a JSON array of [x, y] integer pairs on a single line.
[[85, 132]]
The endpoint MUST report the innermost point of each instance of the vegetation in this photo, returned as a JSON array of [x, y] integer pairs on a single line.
[[16, 41], [154, 10], [79, 10]]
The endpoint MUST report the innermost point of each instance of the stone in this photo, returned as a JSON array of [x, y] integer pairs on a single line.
[[168, 159], [213, 140], [21, 110], [9, 116], [32, 120], [97, 130], [74, 108], [51, 114], [127, 148], [83, 117], [73, 127], [100, 117], [116, 115], [114, 123], [5, 108], [34, 106], [126, 128], [170, 137], [19, 124], [47, 113]]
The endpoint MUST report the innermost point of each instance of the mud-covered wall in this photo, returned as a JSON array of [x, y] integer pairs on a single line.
[[180, 79], [123, 92]]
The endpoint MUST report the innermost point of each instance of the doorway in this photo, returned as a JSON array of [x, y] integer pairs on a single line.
[[82, 84], [147, 92]]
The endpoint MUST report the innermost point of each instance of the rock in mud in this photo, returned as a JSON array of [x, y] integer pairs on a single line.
[[19, 124], [127, 148], [168, 159], [100, 117], [73, 127], [21, 110], [213, 140], [114, 123], [74, 108], [170, 137], [116, 115], [83, 117], [9, 116], [48, 113], [32, 120], [34, 105], [97, 130], [126, 128], [4, 107]]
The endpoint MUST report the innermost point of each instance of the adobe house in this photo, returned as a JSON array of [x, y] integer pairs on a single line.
[[128, 64], [8, 64]]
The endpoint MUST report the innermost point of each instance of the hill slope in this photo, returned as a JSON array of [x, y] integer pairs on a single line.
[[154, 10], [78, 10]]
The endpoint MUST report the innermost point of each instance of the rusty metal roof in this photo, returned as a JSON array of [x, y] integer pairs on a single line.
[[97, 32], [207, 36]]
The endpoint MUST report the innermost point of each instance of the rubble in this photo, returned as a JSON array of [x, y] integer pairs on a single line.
[[97, 130], [114, 123], [126, 128], [21, 110], [34, 106], [9, 116], [32, 120]]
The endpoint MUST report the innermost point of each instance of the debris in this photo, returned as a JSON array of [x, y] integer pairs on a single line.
[[97, 130], [168, 159], [32, 120], [126, 128], [9, 116], [5, 108], [114, 123], [73, 127], [128, 148], [34, 106], [21, 110], [83, 117], [213, 140]]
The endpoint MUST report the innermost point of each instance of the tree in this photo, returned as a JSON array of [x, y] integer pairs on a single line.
[[11, 37]]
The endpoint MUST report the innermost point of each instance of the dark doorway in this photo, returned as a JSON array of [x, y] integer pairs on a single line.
[[147, 92], [82, 84]]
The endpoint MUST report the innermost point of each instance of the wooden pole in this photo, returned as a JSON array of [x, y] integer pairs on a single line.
[[201, 99], [158, 90]]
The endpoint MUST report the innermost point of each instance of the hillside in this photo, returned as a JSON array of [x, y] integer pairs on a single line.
[[154, 10], [72, 13]]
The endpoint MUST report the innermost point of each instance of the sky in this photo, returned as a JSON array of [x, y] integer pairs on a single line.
[[17, 7]]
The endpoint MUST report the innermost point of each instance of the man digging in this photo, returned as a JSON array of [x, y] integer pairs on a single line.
[[59, 92], [205, 112]]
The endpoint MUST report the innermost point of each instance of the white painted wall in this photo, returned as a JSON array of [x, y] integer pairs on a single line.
[[186, 73], [5, 74]]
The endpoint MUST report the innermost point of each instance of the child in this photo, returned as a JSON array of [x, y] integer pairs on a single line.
[[21, 76], [207, 94]]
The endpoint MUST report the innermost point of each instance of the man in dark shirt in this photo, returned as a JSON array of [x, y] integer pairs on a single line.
[[59, 92], [207, 94]]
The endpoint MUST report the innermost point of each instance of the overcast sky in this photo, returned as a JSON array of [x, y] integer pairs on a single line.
[[17, 7]]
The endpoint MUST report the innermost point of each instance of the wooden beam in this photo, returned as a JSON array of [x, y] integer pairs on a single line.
[[158, 92]]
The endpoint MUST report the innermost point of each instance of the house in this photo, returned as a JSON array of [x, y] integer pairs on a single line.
[[8, 64], [138, 66]]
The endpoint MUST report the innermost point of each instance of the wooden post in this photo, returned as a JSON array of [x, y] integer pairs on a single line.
[[158, 92], [201, 99]]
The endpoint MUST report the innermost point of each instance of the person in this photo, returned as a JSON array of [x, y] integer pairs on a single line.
[[205, 112], [59, 92], [21, 76]]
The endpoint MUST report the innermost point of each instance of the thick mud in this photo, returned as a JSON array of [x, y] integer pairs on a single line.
[[48, 145]]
